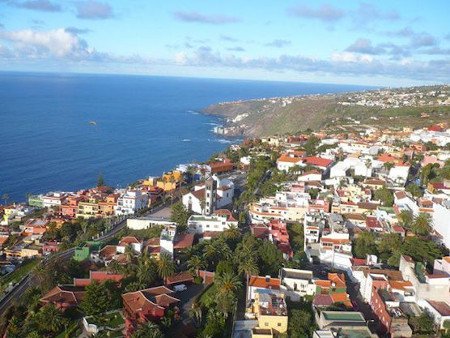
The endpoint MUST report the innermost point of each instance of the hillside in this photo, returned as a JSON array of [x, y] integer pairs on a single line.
[[414, 107]]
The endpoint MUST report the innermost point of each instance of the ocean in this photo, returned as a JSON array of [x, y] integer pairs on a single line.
[[143, 126]]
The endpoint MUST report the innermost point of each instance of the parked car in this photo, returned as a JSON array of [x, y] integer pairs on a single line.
[[179, 288]]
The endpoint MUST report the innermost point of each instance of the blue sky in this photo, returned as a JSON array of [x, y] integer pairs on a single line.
[[389, 43]]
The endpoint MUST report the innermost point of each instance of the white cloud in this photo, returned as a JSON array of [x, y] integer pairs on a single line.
[[57, 43], [351, 57]]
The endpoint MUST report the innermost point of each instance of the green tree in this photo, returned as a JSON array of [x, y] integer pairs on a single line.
[[421, 224], [166, 266], [389, 248], [49, 320], [365, 245], [406, 218], [300, 323], [100, 180], [227, 285], [148, 330], [195, 263], [422, 251], [100, 297], [270, 258], [180, 215], [385, 196], [414, 190], [422, 324]]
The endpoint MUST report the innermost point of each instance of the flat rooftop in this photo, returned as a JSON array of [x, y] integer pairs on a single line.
[[343, 316]]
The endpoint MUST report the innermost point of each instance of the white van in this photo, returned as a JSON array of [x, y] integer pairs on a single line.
[[180, 287]]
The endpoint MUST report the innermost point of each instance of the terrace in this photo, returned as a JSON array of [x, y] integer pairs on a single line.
[[272, 305]]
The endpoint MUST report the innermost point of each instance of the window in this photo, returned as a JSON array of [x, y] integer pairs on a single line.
[[278, 324], [266, 324]]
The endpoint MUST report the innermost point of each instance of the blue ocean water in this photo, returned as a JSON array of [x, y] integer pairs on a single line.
[[144, 126]]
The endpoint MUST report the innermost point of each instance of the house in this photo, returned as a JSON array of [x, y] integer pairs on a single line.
[[323, 164], [289, 160], [217, 222], [53, 199], [214, 194], [50, 247], [297, 283], [349, 324], [64, 296], [147, 222], [88, 208], [442, 265], [331, 291], [310, 176], [218, 167], [358, 166], [268, 307], [171, 242], [386, 307], [440, 311], [428, 286], [97, 276], [70, 207], [276, 232], [34, 227], [147, 304], [130, 202], [257, 282], [170, 180]]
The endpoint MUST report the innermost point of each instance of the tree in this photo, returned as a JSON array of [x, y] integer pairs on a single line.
[[270, 258], [195, 263], [224, 267], [300, 323], [422, 324], [148, 330], [227, 285], [166, 266], [180, 215], [406, 218], [100, 180], [365, 245], [421, 224], [421, 250], [49, 320], [389, 248], [414, 190], [385, 196], [100, 297], [388, 166]]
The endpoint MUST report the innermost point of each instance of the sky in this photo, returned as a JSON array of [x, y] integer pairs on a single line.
[[386, 43]]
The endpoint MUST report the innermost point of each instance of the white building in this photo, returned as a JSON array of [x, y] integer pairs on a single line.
[[360, 168], [214, 194], [54, 199], [441, 221], [148, 222], [130, 202], [297, 283], [218, 222], [399, 174], [440, 311]]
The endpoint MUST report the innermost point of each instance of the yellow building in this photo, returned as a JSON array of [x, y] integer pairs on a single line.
[[88, 209], [170, 180], [271, 312]]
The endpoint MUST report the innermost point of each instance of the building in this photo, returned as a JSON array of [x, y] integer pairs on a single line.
[[64, 296], [53, 199], [440, 311], [130, 202], [297, 283], [148, 222], [214, 194], [148, 304], [170, 181], [276, 232], [218, 222]]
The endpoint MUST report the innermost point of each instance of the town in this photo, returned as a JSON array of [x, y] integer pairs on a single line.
[[339, 232]]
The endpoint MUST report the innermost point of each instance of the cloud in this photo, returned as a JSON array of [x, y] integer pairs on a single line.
[[326, 12], [236, 49], [228, 38], [405, 32], [364, 46], [278, 43], [56, 43], [342, 64], [423, 40], [366, 13], [36, 5], [447, 37], [93, 10], [213, 19], [77, 31]]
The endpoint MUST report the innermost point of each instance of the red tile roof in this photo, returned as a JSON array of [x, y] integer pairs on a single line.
[[263, 282], [317, 161]]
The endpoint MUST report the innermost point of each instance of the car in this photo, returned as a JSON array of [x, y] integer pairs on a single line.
[[179, 288]]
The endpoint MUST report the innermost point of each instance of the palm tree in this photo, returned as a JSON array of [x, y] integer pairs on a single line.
[[196, 313], [148, 330], [248, 267], [421, 224], [166, 266], [195, 264], [129, 253], [227, 283], [388, 166]]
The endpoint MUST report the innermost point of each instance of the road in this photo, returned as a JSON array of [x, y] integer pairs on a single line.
[[25, 283]]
